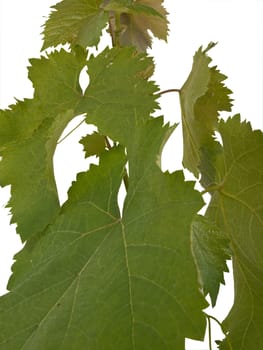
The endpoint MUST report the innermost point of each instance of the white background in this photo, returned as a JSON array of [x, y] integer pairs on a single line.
[[237, 26]]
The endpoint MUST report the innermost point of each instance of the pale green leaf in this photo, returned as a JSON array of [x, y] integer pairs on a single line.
[[202, 97], [98, 280], [238, 210], [78, 22], [211, 250], [28, 137], [119, 99]]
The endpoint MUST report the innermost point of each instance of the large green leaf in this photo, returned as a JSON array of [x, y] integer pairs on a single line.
[[202, 97], [75, 22], [237, 208], [97, 280], [119, 99], [28, 136]]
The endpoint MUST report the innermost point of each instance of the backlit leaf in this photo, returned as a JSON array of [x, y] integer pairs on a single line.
[[78, 22], [202, 97], [123, 100], [28, 137]]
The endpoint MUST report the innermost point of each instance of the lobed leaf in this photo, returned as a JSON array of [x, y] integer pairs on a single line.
[[202, 97], [119, 99], [237, 209], [101, 281], [28, 137], [78, 22]]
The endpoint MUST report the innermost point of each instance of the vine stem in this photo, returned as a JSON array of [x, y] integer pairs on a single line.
[[212, 188], [115, 31]]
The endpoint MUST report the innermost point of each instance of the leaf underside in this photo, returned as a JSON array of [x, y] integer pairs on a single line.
[[202, 96]]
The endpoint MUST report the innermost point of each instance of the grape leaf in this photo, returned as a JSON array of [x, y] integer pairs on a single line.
[[100, 281], [211, 250], [123, 100], [202, 96], [28, 136], [78, 22], [237, 208], [93, 144], [137, 18]]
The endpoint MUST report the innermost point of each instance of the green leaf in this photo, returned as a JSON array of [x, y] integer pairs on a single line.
[[120, 102], [202, 97], [97, 280], [78, 22], [130, 7], [211, 250], [137, 19], [237, 209], [93, 144], [28, 137]]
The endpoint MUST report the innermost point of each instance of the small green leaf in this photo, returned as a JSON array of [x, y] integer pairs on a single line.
[[237, 209], [78, 22], [202, 97], [211, 250], [93, 144]]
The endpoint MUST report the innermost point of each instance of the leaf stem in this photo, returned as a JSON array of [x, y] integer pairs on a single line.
[[168, 91], [209, 333], [216, 320], [69, 133]]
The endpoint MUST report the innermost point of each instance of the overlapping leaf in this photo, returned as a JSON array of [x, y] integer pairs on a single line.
[[136, 26], [137, 18], [237, 208], [78, 22], [93, 144], [211, 250], [28, 136], [202, 97], [100, 281], [119, 99]]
